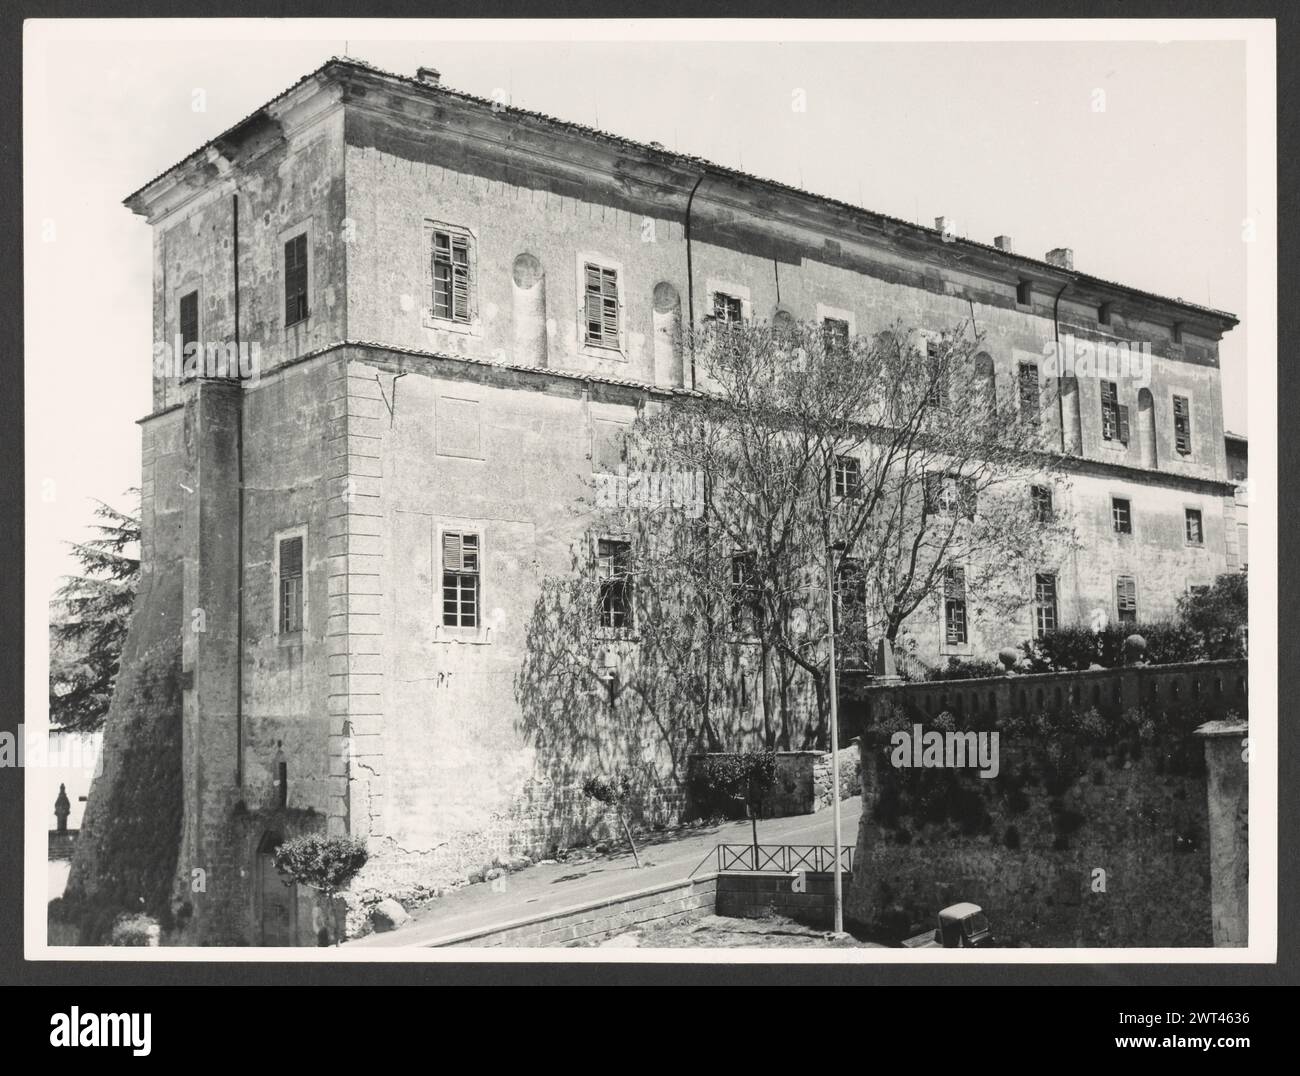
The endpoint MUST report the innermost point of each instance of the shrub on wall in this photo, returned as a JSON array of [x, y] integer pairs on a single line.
[[1207, 634], [1219, 616], [957, 669]]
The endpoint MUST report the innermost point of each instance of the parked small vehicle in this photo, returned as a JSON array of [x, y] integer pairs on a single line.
[[961, 926]]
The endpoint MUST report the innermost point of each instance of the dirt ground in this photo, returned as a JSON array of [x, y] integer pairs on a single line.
[[721, 932]]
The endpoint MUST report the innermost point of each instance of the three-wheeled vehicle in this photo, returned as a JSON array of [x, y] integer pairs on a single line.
[[961, 926]]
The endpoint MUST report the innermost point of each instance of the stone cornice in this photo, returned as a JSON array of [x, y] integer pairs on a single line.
[[652, 172], [403, 357]]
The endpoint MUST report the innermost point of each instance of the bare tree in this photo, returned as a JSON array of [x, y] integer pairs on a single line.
[[897, 466]]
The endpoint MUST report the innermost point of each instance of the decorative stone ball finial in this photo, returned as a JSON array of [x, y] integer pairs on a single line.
[[1008, 657], [1135, 648]]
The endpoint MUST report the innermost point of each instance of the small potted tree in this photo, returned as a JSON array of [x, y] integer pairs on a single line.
[[327, 864], [614, 792]]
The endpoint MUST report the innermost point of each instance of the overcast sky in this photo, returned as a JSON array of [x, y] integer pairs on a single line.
[[1003, 137]]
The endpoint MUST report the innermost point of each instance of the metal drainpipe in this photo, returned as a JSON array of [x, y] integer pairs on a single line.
[[1060, 408], [690, 277], [239, 554], [1060, 379]]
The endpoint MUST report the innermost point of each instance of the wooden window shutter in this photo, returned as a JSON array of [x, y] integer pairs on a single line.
[[1123, 424], [459, 551], [460, 278], [290, 558], [609, 294], [189, 318], [593, 305], [451, 551]]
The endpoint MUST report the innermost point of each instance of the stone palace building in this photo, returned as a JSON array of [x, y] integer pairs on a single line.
[[456, 309]]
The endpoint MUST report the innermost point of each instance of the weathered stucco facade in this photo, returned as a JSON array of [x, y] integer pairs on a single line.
[[377, 426]]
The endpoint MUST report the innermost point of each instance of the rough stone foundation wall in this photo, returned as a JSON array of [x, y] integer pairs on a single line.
[[1118, 858], [850, 766]]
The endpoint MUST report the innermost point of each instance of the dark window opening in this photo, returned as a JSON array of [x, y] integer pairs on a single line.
[[1030, 400], [189, 321], [1025, 292], [295, 280], [1042, 501], [954, 605], [949, 494], [1192, 523], [937, 379], [835, 331], [1182, 425], [728, 310], [1121, 515], [745, 592]]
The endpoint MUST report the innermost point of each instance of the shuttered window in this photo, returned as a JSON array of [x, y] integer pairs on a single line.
[[745, 607], [189, 320], [1192, 524], [1044, 603], [460, 579], [1182, 425], [614, 567], [452, 272], [954, 605], [295, 280], [1126, 599], [602, 306], [290, 585], [1030, 402], [1114, 418]]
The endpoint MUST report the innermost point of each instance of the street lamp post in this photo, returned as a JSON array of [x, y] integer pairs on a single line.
[[835, 725]]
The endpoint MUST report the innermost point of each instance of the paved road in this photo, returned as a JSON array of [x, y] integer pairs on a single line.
[[550, 888]]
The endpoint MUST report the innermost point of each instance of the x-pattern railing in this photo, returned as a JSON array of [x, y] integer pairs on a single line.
[[785, 858]]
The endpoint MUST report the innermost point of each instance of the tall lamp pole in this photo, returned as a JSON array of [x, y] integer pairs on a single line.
[[835, 718]]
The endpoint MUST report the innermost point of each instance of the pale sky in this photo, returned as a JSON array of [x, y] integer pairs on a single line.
[[1003, 137]]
